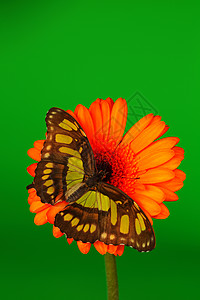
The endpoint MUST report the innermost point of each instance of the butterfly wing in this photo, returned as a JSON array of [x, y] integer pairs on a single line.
[[107, 215], [125, 222], [66, 158], [80, 219]]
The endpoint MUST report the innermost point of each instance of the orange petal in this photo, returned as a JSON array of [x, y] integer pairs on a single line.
[[179, 152], [72, 114], [169, 195], [156, 175], [110, 102], [137, 129], [31, 191], [56, 232], [174, 185], [30, 200], [112, 249], [52, 212], [41, 217], [147, 136], [33, 197], [139, 185], [39, 144], [156, 119], [155, 159], [101, 247], [38, 206], [152, 192], [34, 154], [164, 212], [70, 241], [106, 117], [120, 250], [180, 174], [118, 119], [171, 164], [98, 100], [95, 112], [85, 120], [147, 204], [165, 143], [164, 131], [84, 247], [31, 169]]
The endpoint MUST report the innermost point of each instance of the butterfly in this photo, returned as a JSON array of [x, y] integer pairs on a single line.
[[96, 210]]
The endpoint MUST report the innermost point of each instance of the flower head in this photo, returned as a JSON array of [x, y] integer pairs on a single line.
[[139, 163]]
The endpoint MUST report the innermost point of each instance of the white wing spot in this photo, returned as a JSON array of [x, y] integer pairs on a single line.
[[103, 235], [122, 239], [112, 237]]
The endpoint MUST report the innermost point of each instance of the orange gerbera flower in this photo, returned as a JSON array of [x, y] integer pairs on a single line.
[[139, 163]]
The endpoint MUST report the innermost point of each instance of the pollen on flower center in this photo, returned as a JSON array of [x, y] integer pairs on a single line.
[[118, 164]]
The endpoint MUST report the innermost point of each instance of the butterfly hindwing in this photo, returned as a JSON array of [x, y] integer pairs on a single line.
[[79, 220], [125, 222], [107, 215], [66, 158]]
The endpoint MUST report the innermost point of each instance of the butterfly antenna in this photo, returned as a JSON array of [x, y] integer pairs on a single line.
[[30, 186], [130, 177]]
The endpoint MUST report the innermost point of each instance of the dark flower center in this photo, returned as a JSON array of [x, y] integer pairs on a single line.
[[116, 165], [104, 167]]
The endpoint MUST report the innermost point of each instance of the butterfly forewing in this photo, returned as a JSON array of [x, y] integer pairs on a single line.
[[66, 158], [107, 215]]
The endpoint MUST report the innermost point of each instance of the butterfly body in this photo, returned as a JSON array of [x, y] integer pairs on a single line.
[[96, 210], [93, 180]]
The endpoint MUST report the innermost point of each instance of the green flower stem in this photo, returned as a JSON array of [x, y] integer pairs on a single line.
[[111, 276]]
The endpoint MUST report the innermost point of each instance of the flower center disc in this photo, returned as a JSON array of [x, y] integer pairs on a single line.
[[118, 164]]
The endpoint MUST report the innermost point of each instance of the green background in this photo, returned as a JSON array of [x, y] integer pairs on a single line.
[[62, 53]]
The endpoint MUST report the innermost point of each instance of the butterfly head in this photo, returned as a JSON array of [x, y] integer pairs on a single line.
[[102, 174], [96, 178], [104, 171]]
